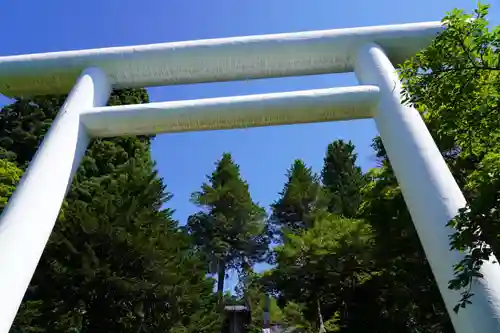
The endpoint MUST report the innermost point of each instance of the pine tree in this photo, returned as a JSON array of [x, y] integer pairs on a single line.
[[342, 179], [230, 229], [116, 260], [301, 196]]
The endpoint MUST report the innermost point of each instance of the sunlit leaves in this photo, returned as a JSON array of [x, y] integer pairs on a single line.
[[10, 175], [455, 84]]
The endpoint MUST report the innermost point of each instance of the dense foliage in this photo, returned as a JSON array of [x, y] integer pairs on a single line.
[[116, 260], [346, 256], [454, 83], [9, 177]]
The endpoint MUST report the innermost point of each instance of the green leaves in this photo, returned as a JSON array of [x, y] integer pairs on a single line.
[[348, 256], [454, 83], [330, 236], [116, 260], [10, 175], [320, 263]]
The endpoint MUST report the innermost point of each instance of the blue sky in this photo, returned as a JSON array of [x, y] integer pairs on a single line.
[[264, 154]]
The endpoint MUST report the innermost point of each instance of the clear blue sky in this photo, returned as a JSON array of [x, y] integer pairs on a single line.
[[264, 154]]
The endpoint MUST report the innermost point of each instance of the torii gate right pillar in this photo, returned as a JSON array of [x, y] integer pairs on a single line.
[[430, 192]]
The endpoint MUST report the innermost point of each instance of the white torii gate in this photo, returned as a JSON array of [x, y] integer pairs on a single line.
[[430, 191]]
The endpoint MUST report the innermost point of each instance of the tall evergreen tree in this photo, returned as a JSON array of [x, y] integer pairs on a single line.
[[342, 179], [324, 295], [301, 196], [231, 228], [369, 288], [116, 260]]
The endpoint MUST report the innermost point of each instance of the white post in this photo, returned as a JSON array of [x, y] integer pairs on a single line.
[[27, 221], [430, 191]]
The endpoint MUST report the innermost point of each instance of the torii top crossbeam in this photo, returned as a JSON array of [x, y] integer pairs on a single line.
[[212, 60]]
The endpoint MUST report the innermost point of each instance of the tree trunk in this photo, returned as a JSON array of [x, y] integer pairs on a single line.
[[221, 274], [320, 318]]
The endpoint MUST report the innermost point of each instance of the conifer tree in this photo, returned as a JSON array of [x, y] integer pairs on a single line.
[[116, 260], [342, 179], [230, 228], [297, 202]]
